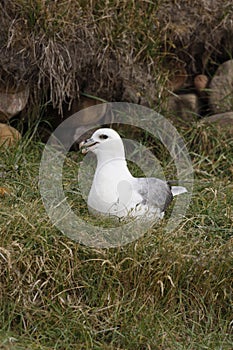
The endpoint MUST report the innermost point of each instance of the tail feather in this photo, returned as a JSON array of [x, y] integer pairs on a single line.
[[176, 190]]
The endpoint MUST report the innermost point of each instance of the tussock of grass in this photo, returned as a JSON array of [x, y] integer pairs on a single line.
[[61, 47], [164, 291]]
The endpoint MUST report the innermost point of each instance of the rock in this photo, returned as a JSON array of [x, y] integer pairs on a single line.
[[223, 121], [184, 106], [12, 102], [200, 82], [8, 135], [87, 117], [78, 119], [84, 117], [221, 89]]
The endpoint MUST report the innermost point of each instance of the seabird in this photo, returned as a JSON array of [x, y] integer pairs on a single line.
[[115, 191]]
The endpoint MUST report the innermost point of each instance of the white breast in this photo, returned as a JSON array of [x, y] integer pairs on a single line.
[[112, 191]]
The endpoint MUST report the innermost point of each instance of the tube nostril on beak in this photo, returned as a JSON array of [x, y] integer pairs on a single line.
[[86, 145]]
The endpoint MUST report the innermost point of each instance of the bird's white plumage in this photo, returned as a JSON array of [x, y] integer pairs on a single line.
[[114, 190]]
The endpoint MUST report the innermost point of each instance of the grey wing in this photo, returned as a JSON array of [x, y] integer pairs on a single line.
[[155, 192]]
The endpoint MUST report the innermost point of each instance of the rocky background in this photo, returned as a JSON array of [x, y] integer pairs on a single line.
[[59, 57]]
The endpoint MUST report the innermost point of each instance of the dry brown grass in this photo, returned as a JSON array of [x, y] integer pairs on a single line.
[[62, 47]]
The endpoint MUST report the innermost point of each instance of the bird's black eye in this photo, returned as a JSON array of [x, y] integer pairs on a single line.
[[103, 137]]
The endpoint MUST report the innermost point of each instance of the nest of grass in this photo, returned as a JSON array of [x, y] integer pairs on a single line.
[[60, 48]]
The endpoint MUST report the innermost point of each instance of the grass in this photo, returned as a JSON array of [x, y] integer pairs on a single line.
[[59, 48], [163, 291]]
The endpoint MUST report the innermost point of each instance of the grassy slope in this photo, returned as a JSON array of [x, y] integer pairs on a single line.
[[162, 292]]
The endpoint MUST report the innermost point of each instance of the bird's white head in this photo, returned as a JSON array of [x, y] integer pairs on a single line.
[[105, 143]]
